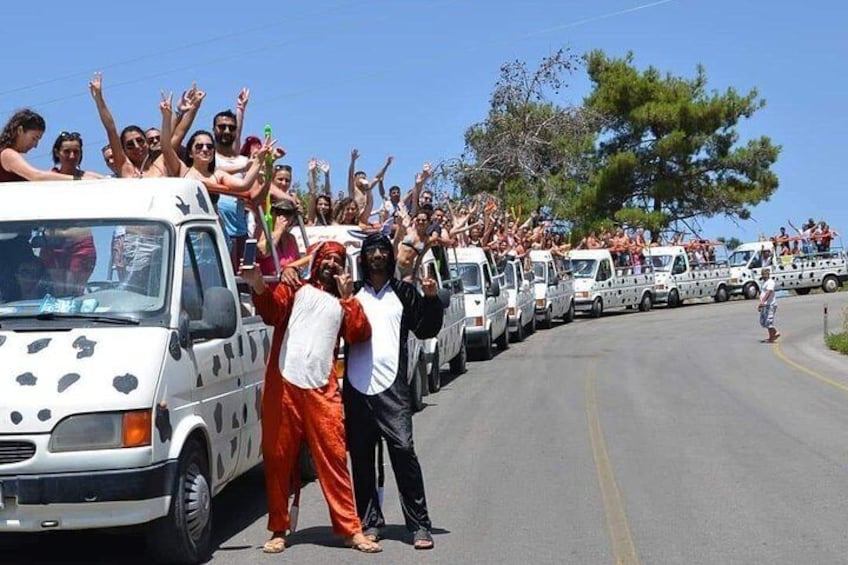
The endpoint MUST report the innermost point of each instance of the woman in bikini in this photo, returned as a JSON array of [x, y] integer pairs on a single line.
[[21, 134], [414, 244]]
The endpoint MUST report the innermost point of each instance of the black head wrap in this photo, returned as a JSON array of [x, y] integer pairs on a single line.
[[372, 241]]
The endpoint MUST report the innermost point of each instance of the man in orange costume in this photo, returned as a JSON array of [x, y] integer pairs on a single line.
[[301, 397]]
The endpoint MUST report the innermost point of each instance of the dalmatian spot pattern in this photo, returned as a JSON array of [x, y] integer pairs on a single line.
[[66, 381], [125, 383], [219, 417], [85, 346], [244, 413], [182, 206], [216, 365], [38, 345], [2, 340], [16, 417], [174, 346], [241, 345], [253, 349], [163, 423], [228, 353], [44, 415], [257, 402], [26, 379], [249, 446], [233, 447], [266, 345], [199, 382], [235, 422], [201, 200]]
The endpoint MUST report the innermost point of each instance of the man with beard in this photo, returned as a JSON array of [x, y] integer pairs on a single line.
[[226, 130], [154, 142], [301, 396], [377, 395]]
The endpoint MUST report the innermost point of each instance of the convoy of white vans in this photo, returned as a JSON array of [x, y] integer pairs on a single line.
[[133, 392]]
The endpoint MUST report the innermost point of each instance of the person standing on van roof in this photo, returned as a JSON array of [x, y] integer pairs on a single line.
[[376, 395], [301, 395], [768, 306]]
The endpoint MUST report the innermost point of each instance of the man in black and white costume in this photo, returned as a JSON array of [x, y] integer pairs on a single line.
[[377, 395]]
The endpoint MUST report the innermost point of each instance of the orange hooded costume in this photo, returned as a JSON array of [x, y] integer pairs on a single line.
[[301, 396]]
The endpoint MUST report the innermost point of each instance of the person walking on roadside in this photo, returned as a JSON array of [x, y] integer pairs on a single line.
[[768, 306], [301, 395], [376, 394]]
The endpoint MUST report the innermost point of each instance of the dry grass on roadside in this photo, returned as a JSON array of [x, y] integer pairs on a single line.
[[839, 341]]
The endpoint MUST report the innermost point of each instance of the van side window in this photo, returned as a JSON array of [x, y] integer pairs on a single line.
[[487, 277], [552, 275], [604, 270], [202, 269], [679, 265], [756, 262]]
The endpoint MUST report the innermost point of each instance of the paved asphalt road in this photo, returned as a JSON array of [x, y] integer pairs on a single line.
[[666, 437]]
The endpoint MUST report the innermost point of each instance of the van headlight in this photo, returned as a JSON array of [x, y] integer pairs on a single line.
[[106, 430]]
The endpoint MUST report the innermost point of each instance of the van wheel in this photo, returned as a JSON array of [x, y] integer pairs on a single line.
[[646, 303], [569, 314], [503, 340], [750, 290], [721, 294], [597, 308], [519, 331], [830, 284], [548, 322], [802, 291], [533, 322], [416, 387], [673, 298], [488, 348], [457, 364], [434, 378], [183, 535]]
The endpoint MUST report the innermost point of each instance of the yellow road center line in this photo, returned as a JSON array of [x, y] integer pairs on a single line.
[[623, 549], [818, 376]]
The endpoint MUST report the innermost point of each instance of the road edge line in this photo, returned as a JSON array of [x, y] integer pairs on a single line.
[[818, 376]]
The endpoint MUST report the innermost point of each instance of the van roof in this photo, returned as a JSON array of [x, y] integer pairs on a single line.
[[755, 246], [589, 254], [174, 200]]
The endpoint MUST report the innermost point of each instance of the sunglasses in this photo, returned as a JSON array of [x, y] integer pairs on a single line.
[[153, 139], [226, 127], [202, 146], [70, 135], [135, 142]]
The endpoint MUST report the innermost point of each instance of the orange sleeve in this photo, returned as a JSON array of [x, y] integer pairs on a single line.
[[355, 325], [275, 307]]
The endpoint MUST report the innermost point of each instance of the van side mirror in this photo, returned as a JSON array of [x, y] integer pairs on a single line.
[[445, 297], [219, 315], [494, 289]]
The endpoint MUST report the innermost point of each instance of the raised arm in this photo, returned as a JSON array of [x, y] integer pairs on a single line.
[[312, 181], [188, 108], [241, 107], [411, 198], [173, 164], [237, 184], [351, 173], [325, 168], [95, 86], [381, 174]]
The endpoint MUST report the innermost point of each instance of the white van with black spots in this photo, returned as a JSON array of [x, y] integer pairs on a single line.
[[553, 286], [678, 278], [801, 273], [485, 304], [133, 367], [521, 307], [599, 285]]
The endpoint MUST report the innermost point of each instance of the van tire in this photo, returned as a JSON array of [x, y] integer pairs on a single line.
[[646, 303], [750, 290], [488, 348], [568, 317], [458, 363], [434, 377], [416, 387], [673, 298], [802, 291], [548, 321], [183, 535], [830, 284], [597, 308], [519, 331], [721, 294], [503, 340]]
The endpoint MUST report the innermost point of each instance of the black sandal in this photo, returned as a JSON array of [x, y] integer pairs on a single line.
[[422, 539]]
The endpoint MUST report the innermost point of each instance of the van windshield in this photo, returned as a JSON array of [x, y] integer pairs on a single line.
[[741, 258], [470, 275], [78, 267], [583, 268], [661, 262]]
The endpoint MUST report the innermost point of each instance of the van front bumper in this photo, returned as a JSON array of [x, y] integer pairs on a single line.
[[70, 501], [475, 336]]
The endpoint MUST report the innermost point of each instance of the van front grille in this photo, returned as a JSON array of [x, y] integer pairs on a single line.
[[15, 451]]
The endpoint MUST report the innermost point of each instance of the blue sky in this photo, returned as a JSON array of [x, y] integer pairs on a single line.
[[406, 78]]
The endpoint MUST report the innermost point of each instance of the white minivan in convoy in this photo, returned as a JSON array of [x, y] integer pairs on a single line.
[[485, 304], [553, 287], [599, 285], [801, 273], [678, 277], [133, 366], [521, 309]]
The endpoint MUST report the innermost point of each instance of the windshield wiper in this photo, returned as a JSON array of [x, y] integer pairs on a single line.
[[121, 320]]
